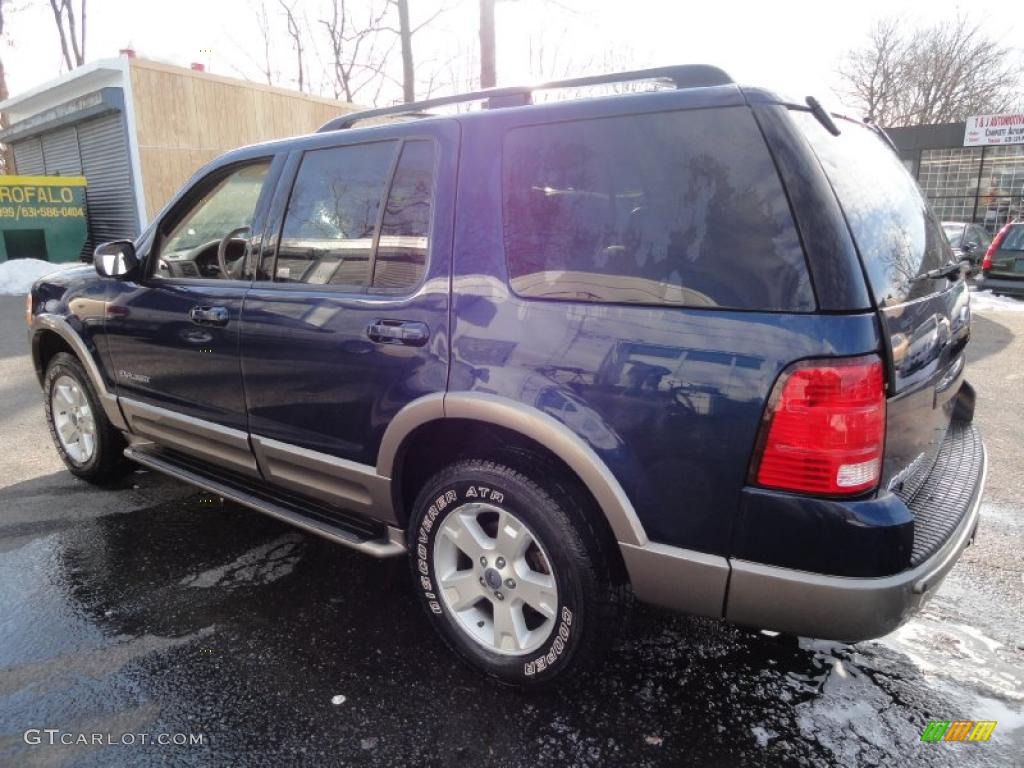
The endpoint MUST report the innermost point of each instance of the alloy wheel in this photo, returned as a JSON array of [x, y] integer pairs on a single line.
[[495, 578], [73, 419]]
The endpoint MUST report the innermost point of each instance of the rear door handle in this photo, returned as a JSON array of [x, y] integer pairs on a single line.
[[209, 315], [412, 334]]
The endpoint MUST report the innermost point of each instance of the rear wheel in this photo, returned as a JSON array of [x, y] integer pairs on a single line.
[[90, 446], [512, 575]]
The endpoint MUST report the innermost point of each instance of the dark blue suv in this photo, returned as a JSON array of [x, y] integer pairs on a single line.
[[698, 343]]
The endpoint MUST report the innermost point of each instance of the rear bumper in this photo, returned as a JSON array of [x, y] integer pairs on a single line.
[[1006, 285], [806, 603]]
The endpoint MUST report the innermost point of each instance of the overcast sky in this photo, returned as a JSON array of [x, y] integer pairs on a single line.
[[791, 46]]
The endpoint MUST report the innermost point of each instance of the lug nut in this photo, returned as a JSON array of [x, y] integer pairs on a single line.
[[482, 582], [499, 595], [499, 563], [510, 583], [483, 561]]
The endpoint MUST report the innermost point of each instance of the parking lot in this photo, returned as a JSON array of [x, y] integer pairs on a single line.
[[156, 609]]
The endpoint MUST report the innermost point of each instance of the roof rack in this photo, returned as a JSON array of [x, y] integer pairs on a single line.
[[683, 76]]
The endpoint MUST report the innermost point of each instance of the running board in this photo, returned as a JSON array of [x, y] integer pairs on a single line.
[[264, 498]]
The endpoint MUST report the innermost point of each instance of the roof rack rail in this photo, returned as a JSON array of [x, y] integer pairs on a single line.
[[683, 76]]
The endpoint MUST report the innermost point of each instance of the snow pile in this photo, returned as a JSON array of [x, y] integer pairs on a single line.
[[986, 301], [17, 275]]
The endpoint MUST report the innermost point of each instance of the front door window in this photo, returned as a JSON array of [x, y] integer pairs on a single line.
[[210, 239]]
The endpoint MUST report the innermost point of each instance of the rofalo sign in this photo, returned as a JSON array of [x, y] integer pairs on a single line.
[[985, 130]]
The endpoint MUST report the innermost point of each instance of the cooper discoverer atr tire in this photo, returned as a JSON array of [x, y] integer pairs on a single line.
[[90, 446], [512, 574]]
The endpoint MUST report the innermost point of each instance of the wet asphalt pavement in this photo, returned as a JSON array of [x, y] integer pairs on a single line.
[[155, 610]]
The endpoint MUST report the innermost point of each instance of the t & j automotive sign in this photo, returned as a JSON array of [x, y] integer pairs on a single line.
[[988, 130]]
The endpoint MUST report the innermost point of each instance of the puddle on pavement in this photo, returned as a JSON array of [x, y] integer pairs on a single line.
[[245, 629]]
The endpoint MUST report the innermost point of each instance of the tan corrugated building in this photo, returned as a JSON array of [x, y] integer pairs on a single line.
[[137, 130]]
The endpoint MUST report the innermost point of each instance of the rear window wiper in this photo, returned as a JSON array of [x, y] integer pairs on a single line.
[[822, 115], [947, 271]]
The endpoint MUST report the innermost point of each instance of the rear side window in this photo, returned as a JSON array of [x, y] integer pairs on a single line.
[[405, 229], [898, 237], [675, 208], [330, 234]]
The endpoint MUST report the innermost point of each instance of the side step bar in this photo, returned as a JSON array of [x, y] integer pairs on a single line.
[[389, 545]]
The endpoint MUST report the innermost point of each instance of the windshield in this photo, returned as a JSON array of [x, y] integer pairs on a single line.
[[896, 233]]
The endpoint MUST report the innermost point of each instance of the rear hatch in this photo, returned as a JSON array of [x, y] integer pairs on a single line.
[[1007, 259], [924, 320]]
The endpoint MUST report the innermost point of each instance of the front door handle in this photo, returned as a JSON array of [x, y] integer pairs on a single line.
[[209, 315], [412, 334]]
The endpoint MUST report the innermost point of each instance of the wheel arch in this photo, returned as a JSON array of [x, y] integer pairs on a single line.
[[52, 334], [533, 425], [45, 344]]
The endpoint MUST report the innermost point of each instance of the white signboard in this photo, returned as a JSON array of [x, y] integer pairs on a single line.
[[994, 129]]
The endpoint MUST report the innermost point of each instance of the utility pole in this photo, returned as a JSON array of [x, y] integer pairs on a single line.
[[488, 75], [408, 85]]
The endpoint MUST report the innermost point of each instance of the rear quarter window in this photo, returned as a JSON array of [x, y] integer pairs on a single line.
[[675, 208]]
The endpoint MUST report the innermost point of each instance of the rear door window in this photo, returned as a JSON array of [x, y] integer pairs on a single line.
[[898, 237], [676, 208], [405, 227], [335, 233], [331, 222]]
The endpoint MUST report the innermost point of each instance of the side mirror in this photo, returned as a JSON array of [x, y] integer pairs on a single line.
[[970, 247], [116, 259]]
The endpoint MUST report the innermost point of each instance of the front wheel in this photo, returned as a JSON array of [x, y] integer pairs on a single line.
[[512, 574], [90, 446]]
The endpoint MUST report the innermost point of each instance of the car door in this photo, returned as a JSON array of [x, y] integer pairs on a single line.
[[173, 335], [977, 235], [347, 321]]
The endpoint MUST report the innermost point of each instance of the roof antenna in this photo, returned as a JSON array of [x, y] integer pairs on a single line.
[[823, 117]]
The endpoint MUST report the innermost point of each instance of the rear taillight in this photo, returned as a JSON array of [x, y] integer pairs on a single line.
[[824, 428], [986, 263]]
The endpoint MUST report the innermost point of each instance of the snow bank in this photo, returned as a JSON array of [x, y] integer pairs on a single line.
[[986, 301], [17, 275]]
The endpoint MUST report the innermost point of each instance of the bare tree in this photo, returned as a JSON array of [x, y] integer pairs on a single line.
[[357, 57], [7, 154], [263, 21], [297, 33], [67, 22], [877, 76], [458, 71], [405, 32], [939, 74], [263, 60], [550, 59]]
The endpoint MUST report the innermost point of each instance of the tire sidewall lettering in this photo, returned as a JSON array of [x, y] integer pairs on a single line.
[[537, 663]]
